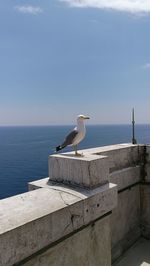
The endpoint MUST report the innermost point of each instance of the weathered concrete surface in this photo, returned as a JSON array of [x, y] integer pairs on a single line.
[[33, 220], [124, 169], [147, 153], [91, 247], [94, 167], [126, 177], [125, 221], [138, 255], [146, 178], [145, 210], [41, 183], [147, 171], [123, 178], [87, 171], [145, 195], [119, 156], [124, 157], [39, 220]]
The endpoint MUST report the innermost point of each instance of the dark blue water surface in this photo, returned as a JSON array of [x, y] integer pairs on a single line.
[[24, 150]]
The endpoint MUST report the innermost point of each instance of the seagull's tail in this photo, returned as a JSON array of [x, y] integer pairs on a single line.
[[58, 148]]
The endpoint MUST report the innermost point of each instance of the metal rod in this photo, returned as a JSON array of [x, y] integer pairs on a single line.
[[133, 128]]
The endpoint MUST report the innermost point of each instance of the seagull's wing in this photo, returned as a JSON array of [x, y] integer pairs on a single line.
[[70, 138]]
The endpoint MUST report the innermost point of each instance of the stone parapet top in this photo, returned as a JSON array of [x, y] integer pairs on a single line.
[[24, 208], [102, 149], [94, 167], [36, 219]]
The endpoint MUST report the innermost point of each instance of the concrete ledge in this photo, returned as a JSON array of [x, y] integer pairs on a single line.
[[122, 178], [33, 220], [126, 177], [120, 155], [123, 156], [41, 183], [87, 171], [94, 167]]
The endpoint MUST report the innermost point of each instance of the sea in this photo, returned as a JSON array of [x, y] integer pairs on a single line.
[[24, 150]]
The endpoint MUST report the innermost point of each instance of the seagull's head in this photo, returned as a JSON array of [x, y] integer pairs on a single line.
[[82, 117]]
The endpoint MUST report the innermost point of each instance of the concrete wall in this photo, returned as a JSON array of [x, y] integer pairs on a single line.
[[125, 171], [145, 194], [125, 221], [55, 219], [90, 246], [125, 168], [72, 217], [130, 170]]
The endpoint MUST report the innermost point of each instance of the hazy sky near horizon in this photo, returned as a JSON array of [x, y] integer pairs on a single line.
[[61, 58]]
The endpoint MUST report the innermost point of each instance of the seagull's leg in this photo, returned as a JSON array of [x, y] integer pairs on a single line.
[[76, 152], [75, 149]]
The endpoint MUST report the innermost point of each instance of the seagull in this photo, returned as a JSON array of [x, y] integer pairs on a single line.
[[75, 136]]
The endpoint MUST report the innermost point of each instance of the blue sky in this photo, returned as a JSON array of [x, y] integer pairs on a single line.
[[61, 58]]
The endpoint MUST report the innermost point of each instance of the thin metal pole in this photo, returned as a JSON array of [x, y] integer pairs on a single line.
[[133, 128]]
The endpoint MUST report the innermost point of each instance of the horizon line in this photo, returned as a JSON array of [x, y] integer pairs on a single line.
[[53, 125]]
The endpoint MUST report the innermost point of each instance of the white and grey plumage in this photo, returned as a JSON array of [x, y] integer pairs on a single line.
[[76, 135]]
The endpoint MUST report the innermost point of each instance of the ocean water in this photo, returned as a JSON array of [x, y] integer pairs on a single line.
[[24, 150]]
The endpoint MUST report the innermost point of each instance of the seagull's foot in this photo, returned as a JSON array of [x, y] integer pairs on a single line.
[[79, 154]]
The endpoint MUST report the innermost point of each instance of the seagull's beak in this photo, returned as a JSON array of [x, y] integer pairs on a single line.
[[86, 117]]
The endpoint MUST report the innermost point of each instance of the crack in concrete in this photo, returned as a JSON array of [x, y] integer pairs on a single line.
[[59, 190], [72, 216], [89, 170], [60, 193], [71, 220]]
